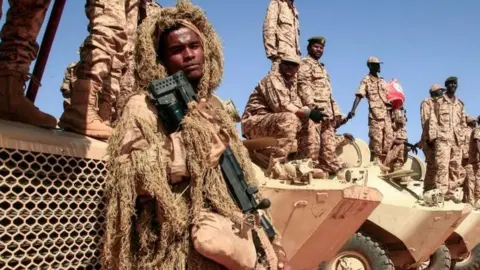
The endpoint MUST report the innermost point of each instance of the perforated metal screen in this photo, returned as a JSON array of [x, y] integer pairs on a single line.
[[51, 210]]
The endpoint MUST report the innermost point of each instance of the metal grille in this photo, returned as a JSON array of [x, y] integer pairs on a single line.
[[51, 211]]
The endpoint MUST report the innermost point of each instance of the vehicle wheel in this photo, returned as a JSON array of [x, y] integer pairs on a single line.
[[360, 253], [440, 260], [472, 262]]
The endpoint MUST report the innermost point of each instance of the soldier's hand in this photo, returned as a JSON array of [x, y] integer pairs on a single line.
[[351, 115], [349, 137], [303, 112], [316, 115]]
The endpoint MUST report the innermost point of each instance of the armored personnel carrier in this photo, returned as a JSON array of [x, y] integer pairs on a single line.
[[414, 233], [464, 243]]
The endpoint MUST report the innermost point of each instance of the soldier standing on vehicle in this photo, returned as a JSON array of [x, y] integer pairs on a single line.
[[373, 87], [18, 48], [167, 201], [449, 125], [281, 31], [474, 159], [274, 110], [426, 143], [102, 59], [396, 156], [315, 92], [469, 184], [139, 10]]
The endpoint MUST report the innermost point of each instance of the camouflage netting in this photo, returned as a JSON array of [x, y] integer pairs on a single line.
[[156, 235]]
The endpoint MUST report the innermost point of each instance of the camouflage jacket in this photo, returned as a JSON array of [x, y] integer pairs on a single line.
[[399, 124], [374, 89], [314, 88], [474, 154], [448, 120], [272, 95], [281, 29], [466, 143]]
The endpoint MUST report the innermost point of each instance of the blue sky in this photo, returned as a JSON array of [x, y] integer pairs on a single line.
[[421, 43]]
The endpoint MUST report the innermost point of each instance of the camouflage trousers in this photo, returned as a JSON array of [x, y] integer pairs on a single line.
[[448, 166], [104, 55], [396, 157], [381, 136], [19, 34], [127, 82], [328, 160], [429, 181], [471, 186], [476, 186], [289, 130]]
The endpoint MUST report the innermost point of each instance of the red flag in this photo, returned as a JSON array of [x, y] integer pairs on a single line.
[[395, 94]]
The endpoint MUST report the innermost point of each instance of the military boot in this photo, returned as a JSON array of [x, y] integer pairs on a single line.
[[14, 106], [81, 116], [105, 111]]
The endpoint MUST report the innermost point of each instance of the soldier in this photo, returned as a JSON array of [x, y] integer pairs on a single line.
[[315, 91], [396, 157], [67, 83], [102, 59], [18, 49], [281, 31], [373, 87], [474, 159], [274, 110], [137, 11], [469, 184], [168, 205], [448, 124], [426, 143]]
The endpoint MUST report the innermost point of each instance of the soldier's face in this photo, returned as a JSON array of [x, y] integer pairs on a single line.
[[183, 51], [452, 87], [374, 67], [288, 70], [315, 50]]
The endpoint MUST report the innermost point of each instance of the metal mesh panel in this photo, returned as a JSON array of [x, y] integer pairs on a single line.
[[51, 211]]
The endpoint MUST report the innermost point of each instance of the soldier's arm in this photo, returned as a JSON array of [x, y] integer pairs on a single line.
[[269, 29], [425, 112], [304, 85], [361, 93]]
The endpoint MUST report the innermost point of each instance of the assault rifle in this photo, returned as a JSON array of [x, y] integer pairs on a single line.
[[172, 95]]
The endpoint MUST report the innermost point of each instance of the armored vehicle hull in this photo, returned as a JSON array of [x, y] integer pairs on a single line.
[[408, 229]]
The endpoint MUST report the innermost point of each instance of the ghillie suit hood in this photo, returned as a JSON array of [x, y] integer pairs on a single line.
[[156, 234]]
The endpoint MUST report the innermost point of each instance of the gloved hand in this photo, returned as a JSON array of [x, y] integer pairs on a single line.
[[316, 115]]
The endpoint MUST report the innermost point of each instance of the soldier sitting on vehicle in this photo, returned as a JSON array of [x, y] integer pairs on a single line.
[[274, 110]]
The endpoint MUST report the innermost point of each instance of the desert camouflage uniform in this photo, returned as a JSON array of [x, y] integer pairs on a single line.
[[19, 34], [133, 16], [281, 31], [474, 159], [426, 110], [396, 157], [379, 119], [265, 116], [449, 125], [469, 184], [315, 91], [67, 84]]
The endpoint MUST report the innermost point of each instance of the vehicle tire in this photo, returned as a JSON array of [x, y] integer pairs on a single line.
[[440, 260], [362, 251], [472, 262]]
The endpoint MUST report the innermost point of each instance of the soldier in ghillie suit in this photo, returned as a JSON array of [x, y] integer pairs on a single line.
[[168, 206]]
